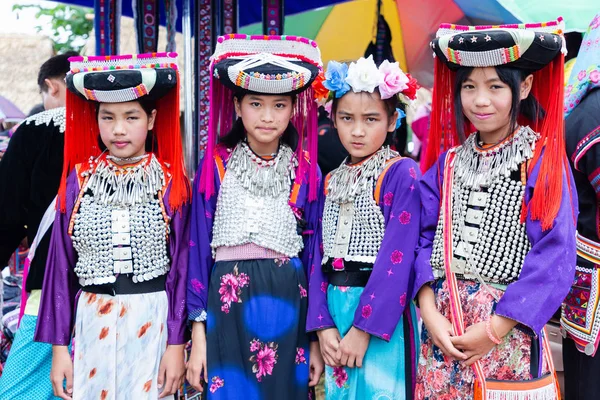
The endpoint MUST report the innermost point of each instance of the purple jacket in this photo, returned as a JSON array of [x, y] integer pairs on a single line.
[[392, 283], [548, 268], [201, 260], [61, 287]]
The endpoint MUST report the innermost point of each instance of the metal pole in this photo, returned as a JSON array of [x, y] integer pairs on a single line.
[[188, 136]]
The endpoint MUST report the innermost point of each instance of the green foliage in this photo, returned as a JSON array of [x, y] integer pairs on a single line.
[[69, 28]]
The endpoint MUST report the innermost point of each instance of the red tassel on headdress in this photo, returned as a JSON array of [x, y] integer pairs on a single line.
[[548, 90], [220, 121], [81, 142], [81, 139], [168, 138], [442, 131], [547, 195]]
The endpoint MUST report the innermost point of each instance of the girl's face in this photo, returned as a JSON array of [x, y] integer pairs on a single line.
[[363, 123], [487, 101], [124, 127], [265, 118]]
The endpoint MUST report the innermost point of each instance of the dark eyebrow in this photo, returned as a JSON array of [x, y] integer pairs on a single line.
[[254, 98], [106, 112], [132, 111], [487, 81], [372, 114]]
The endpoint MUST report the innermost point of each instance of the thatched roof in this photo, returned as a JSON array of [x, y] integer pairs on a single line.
[[22, 55]]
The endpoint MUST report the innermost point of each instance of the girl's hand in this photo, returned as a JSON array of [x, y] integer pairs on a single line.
[[441, 332], [353, 348], [196, 366], [316, 364], [171, 370], [62, 368], [475, 343], [329, 340]]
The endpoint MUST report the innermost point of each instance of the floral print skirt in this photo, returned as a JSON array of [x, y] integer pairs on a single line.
[[388, 367], [440, 378], [257, 346], [119, 342]]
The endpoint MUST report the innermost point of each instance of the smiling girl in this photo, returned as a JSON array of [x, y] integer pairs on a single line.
[[120, 234], [255, 223], [361, 297], [497, 226]]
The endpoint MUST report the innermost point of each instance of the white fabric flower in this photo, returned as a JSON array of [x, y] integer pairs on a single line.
[[363, 75]]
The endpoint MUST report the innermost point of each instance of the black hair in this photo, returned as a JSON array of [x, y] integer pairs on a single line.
[[390, 106], [237, 133], [55, 67], [528, 108], [148, 105]]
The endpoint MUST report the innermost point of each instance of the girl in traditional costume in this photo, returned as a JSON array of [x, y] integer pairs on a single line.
[[361, 296], [498, 214], [255, 218], [121, 234]]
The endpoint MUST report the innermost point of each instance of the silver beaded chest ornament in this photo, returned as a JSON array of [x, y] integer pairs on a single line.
[[253, 202], [120, 226], [489, 241], [55, 115], [353, 224]]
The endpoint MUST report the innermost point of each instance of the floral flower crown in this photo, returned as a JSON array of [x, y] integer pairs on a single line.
[[364, 76]]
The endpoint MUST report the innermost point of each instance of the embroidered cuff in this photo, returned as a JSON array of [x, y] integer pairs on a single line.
[[197, 315]]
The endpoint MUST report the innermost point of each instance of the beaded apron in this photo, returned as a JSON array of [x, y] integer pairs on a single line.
[[489, 241], [119, 224], [353, 224], [253, 203]]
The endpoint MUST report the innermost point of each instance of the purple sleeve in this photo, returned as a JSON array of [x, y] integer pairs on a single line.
[[200, 253], [56, 315], [176, 279], [430, 191], [390, 285], [548, 268], [318, 314]]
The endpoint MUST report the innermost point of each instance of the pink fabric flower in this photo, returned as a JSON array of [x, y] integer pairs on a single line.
[[225, 308], [228, 289], [243, 280], [403, 299], [255, 345], [324, 287], [197, 285], [388, 197], [300, 358], [404, 217], [595, 76], [396, 257], [340, 375], [302, 291], [266, 358], [412, 173], [582, 74], [216, 384], [394, 80], [343, 289], [367, 310], [386, 336]]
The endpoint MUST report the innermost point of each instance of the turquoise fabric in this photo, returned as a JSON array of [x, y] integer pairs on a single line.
[[26, 375], [382, 376]]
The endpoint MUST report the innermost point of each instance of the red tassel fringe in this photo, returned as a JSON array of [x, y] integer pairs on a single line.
[[548, 90]]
